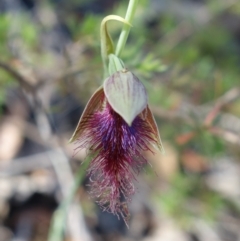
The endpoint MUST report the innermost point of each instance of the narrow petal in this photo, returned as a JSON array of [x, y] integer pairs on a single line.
[[95, 103], [126, 94], [148, 116]]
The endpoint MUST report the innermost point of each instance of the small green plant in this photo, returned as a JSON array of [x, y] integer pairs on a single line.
[[116, 127]]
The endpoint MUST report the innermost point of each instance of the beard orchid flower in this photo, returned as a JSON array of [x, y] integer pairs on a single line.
[[116, 127]]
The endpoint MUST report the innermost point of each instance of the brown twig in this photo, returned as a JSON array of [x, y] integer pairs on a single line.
[[220, 103], [226, 135], [58, 158], [18, 77], [227, 128]]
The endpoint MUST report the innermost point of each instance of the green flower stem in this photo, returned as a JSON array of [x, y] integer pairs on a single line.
[[115, 64], [106, 43], [126, 28], [60, 216], [107, 47]]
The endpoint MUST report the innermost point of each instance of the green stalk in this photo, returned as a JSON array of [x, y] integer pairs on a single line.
[[60, 216], [126, 28], [107, 47]]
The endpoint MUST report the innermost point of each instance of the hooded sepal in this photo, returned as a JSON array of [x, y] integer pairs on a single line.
[[126, 94], [95, 103]]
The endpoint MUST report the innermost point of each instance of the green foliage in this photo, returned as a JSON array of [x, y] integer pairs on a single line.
[[4, 27], [188, 199], [29, 32]]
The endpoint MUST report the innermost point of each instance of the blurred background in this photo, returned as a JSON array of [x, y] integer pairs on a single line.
[[187, 54]]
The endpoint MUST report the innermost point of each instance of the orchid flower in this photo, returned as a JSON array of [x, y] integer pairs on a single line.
[[116, 127]]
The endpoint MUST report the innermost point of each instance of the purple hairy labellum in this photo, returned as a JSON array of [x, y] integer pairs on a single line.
[[116, 127]]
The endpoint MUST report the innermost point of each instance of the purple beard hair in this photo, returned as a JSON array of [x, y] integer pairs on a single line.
[[117, 148]]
